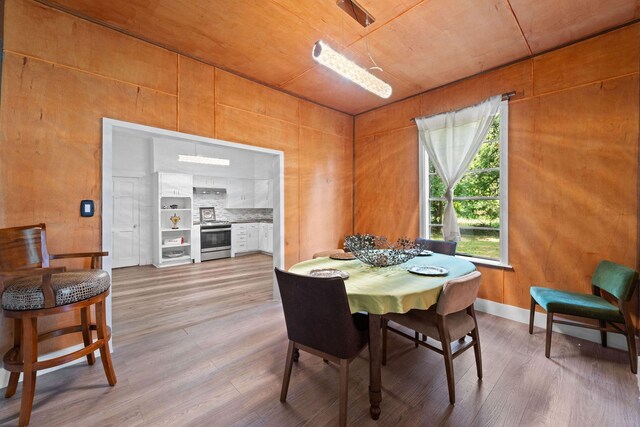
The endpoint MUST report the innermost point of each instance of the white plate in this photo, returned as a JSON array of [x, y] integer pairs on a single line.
[[425, 253], [328, 273], [429, 270]]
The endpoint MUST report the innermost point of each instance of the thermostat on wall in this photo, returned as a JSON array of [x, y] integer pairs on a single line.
[[86, 208]]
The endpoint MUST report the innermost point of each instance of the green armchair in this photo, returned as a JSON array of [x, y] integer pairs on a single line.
[[618, 281]]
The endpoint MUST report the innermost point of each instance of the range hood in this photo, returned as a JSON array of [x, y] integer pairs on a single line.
[[209, 190]]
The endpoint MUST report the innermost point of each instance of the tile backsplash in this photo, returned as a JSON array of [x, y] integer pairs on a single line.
[[219, 201]]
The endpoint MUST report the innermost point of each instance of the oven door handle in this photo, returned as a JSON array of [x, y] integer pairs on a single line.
[[214, 230]]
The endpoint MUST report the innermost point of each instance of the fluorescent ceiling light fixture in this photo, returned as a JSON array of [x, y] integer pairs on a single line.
[[328, 57], [203, 160]]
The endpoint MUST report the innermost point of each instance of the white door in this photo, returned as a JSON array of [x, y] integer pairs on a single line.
[[126, 216]]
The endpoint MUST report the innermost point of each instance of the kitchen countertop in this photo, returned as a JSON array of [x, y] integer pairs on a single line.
[[248, 221]]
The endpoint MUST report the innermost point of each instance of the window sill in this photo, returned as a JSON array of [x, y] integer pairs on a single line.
[[486, 262]]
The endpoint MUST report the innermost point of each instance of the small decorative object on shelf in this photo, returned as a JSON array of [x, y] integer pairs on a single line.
[[175, 219], [377, 251], [173, 206]]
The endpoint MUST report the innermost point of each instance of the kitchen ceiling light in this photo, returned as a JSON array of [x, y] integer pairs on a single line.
[[203, 160], [328, 57]]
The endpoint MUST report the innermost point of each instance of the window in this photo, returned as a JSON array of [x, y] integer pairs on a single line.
[[480, 198]]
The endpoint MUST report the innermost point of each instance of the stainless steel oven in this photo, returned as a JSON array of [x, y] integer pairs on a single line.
[[215, 236], [215, 241]]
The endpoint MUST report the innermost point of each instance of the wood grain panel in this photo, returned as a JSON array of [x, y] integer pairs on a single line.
[[613, 54], [580, 175], [391, 117], [443, 41], [326, 120], [492, 283], [550, 23], [326, 185], [63, 39], [51, 150], [244, 94], [196, 97], [386, 184], [517, 77]]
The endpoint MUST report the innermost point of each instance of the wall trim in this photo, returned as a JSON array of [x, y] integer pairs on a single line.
[[521, 315]]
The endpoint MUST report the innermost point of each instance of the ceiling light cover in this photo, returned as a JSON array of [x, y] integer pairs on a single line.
[[328, 57], [203, 160]]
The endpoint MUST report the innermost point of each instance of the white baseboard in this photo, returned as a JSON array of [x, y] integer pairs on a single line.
[[522, 315]]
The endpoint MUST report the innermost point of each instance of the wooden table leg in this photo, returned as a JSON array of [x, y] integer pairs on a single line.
[[375, 394]]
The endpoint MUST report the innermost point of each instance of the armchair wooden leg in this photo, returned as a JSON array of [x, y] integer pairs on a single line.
[[287, 371], [448, 365], [30, 351], [633, 352], [603, 334], [15, 376], [384, 341], [532, 314], [85, 315], [105, 353], [547, 349], [344, 391]]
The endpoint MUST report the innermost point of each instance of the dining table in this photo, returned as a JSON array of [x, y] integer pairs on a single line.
[[382, 290]]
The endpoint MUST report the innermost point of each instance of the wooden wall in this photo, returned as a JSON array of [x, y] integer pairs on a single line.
[[573, 163], [61, 75]]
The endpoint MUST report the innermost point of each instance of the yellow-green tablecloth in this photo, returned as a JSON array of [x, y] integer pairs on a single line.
[[381, 290]]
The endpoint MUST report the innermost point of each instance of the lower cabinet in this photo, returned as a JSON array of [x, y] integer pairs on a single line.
[[251, 237]]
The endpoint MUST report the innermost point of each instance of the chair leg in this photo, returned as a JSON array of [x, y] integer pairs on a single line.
[[417, 336], [384, 341], [344, 391], [30, 351], [476, 347], [287, 371], [448, 365], [631, 346], [547, 349], [105, 353], [15, 376], [85, 315], [532, 314], [603, 334]]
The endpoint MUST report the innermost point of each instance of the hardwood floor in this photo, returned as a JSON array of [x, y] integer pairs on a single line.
[[204, 345]]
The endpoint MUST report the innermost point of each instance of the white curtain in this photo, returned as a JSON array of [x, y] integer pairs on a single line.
[[452, 140]]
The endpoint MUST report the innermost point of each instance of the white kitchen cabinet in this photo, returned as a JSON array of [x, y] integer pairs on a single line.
[[253, 237], [238, 238], [240, 193], [263, 193], [266, 238], [202, 181], [175, 185]]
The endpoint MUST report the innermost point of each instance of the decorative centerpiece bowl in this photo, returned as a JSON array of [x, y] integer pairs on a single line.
[[377, 251]]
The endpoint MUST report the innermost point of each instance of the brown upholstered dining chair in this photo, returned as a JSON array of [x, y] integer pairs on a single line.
[[451, 319], [439, 246], [319, 321], [32, 289]]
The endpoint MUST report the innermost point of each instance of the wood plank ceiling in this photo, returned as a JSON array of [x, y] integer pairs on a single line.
[[419, 44]]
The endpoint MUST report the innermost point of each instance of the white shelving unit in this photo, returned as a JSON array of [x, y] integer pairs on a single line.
[[172, 189]]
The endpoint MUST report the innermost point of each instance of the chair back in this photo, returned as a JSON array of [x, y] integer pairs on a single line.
[[459, 293], [23, 248], [439, 246], [618, 280], [316, 311]]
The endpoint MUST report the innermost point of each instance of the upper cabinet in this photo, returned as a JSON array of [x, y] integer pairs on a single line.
[[175, 185], [263, 193], [240, 193], [201, 181], [250, 193]]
